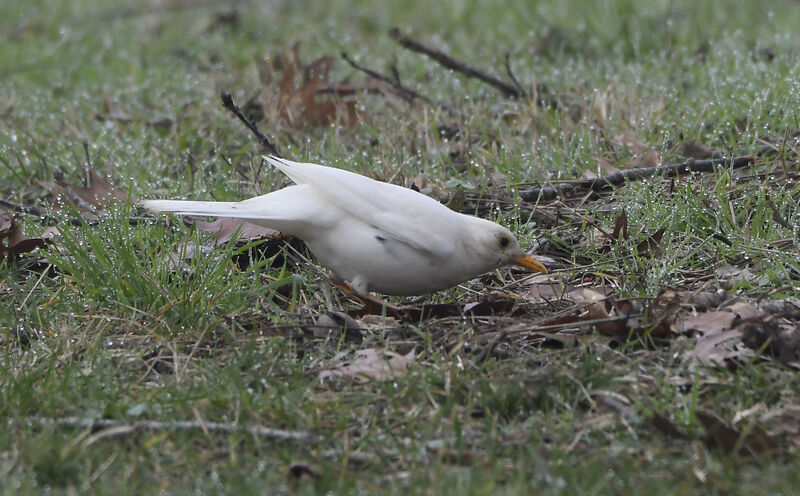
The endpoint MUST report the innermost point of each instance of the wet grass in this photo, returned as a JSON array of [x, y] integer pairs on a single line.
[[115, 331]]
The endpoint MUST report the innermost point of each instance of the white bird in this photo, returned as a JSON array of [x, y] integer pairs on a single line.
[[374, 236]]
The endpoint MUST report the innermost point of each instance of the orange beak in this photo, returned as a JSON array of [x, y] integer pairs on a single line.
[[529, 262]]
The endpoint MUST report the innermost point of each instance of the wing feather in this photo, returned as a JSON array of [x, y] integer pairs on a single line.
[[403, 214]]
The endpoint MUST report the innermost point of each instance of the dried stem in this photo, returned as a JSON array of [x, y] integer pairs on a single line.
[[122, 427], [508, 90], [227, 102], [407, 93], [608, 182]]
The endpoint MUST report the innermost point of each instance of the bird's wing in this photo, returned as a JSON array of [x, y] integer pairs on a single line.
[[399, 212]]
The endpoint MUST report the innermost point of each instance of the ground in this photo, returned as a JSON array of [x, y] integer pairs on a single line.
[[145, 355]]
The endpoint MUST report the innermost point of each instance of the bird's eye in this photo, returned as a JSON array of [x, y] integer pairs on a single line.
[[504, 242]]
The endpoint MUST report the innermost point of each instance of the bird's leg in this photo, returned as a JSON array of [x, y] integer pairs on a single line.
[[372, 304]]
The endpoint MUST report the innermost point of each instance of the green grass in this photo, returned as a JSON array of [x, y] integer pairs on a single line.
[[118, 330]]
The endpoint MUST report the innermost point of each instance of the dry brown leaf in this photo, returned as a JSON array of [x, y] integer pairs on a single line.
[[691, 149], [611, 317], [604, 167], [744, 310], [512, 119], [631, 142], [226, 227], [707, 323], [539, 293], [300, 98], [643, 155], [423, 184], [651, 246], [87, 199], [417, 313], [600, 308], [732, 441], [784, 422], [13, 241], [718, 348], [768, 336], [604, 242], [372, 364], [6, 222], [620, 227], [650, 158]]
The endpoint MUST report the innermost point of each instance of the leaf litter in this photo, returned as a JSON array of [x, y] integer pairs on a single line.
[[371, 364]]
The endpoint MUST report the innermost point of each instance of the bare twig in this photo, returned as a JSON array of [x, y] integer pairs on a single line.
[[407, 93], [608, 182], [75, 198], [227, 102], [508, 90], [123, 427], [776, 215], [22, 208], [511, 74], [76, 221]]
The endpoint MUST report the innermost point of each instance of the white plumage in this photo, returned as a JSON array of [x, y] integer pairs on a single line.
[[375, 236]]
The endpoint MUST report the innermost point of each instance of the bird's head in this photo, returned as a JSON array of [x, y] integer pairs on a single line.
[[499, 247]]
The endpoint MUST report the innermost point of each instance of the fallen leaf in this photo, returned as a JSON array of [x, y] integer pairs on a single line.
[[539, 293], [730, 276], [300, 86], [631, 142], [620, 227], [717, 348], [417, 313], [707, 323], [744, 310], [651, 246], [731, 441], [666, 426], [512, 119], [226, 227], [604, 167], [724, 437], [784, 422], [643, 156], [765, 334], [89, 199], [650, 158], [422, 183], [372, 364], [600, 307], [337, 323], [620, 232], [13, 241], [692, 149]]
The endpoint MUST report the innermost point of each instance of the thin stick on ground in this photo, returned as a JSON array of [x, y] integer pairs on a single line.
[[407, 93], [608, 182], [22, 208], [511, 75], [46, 217], [228, 103], [508, 90], [173, 426]]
